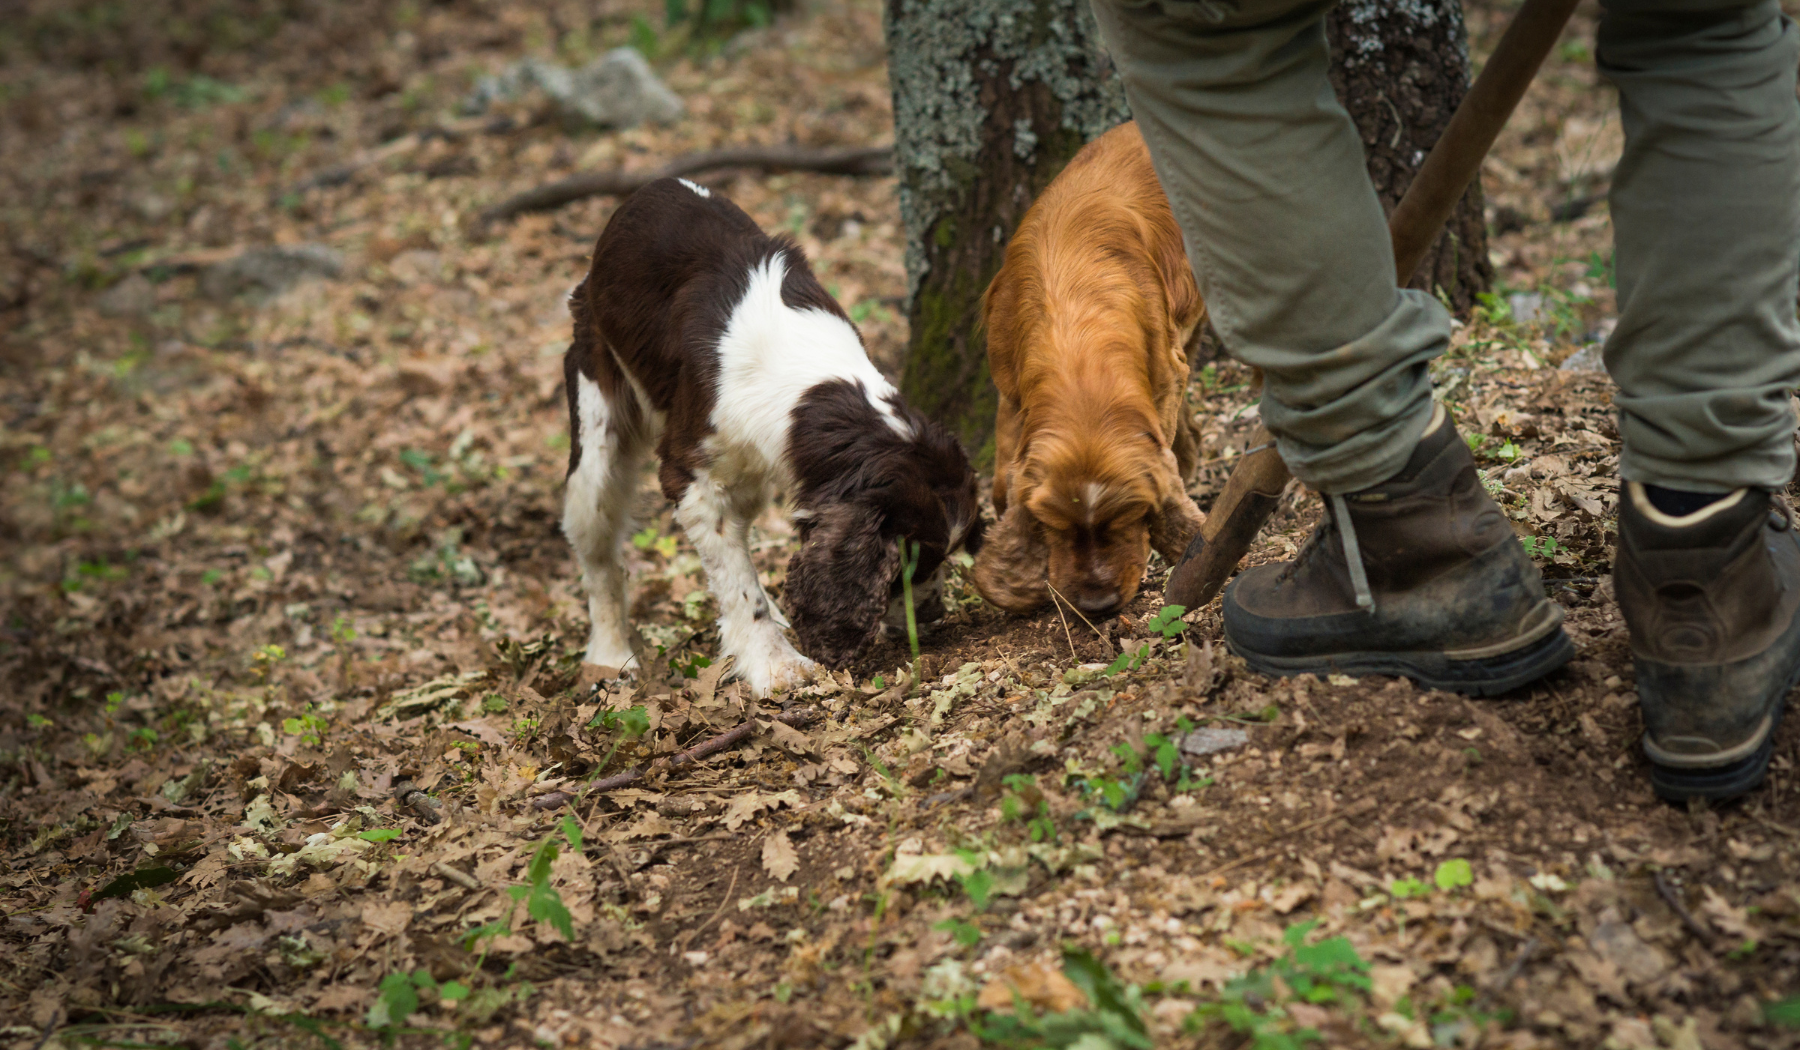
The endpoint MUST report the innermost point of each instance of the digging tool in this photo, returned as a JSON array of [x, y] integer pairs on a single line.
[[1257, 481]]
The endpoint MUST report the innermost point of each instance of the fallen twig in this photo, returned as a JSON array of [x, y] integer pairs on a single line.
[[842, 160], [456, 875], [421, 805], [1669, 896], [704, 749]]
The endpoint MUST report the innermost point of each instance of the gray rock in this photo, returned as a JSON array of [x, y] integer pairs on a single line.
[[1586, 359], [1620, 945], [1203, 742], [1526, 307], [135, 296], [616, 90], [267, 272]]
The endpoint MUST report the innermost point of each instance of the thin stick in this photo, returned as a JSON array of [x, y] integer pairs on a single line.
[[699, 751], [722, 902], [1072, 607], [852, 160], [1695, 926], [1064, 619]]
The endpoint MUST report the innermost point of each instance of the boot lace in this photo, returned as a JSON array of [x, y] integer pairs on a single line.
[[1337, 521]]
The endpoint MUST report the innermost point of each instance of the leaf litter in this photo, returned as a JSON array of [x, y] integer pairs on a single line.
[[296, 747]]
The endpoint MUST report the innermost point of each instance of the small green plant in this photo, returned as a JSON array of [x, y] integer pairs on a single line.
[[1327, 972], [691, 665], [977, 882], [196, 92], [379, 834], [1600, 268], [909, 564], [1783, 1012], [309, 727], [1408, 889], [648, 539], [542, 902], [37, 721], [1453, 874], [1114, 1016], [1167, 622], [143, 738], [627, 724], [1025, 803], [1541, 546], [962, 932], [264, 661]]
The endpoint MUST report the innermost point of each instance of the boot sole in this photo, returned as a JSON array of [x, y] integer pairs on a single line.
[[1482, 676], [1720, 783]]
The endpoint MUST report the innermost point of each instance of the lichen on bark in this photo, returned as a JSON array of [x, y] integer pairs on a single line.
[[991, 99]]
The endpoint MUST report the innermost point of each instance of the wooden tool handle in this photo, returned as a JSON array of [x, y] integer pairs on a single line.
[[1240, 512], [1256, 481], [1459, 151]]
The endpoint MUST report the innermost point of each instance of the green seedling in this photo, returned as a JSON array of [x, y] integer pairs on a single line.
[[648, 539], [1114, 1016], [1328, 972], [628, 724], [1541, 546], [309, 727], [1025, 803], [964, 933]]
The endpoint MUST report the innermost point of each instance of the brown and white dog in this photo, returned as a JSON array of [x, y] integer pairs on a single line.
[[696, 332], [1088, 322]]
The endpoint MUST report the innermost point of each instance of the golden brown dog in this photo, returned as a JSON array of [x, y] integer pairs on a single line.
[[1088, 323]]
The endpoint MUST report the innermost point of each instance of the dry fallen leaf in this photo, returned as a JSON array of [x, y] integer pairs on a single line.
[[778, 856], [1043, 987]]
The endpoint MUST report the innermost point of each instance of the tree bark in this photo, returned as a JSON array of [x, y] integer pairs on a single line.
[[991, 99], [1401, 67]]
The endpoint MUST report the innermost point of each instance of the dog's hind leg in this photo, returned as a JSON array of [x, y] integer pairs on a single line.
[[717, 522], [607, 445]]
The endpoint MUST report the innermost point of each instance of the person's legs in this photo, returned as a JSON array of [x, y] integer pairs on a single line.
[[1706, 214], [1415, 570], [1265, 172], [1706, 217]]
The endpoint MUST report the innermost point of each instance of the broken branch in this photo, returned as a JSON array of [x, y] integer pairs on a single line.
[[704, 749], [850, 160]]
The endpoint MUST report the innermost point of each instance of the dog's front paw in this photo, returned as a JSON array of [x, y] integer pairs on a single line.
[[774, 672]]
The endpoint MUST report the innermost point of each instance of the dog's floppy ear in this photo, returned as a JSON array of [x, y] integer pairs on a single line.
[[1013, 569], [838, 582]]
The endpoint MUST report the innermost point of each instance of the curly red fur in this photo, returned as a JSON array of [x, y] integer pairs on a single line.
[[1088, 322]]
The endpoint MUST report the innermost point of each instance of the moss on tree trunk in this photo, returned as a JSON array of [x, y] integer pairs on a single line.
[[1401, 67], [991, 99]]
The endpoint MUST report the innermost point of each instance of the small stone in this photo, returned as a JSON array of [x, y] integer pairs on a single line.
[[135, 296], [267, 272], [1526, 307], [1203, 742], [1619, 944], [616, 90], [1586, 359]]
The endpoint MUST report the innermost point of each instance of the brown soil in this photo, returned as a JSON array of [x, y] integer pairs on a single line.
[[365, 472]]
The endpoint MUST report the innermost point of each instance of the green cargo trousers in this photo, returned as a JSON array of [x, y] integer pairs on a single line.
[[1265, 172]]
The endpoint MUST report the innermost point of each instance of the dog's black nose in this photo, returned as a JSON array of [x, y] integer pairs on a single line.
[[1098, 603]]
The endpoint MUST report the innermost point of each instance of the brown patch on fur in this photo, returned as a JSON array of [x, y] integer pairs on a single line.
[[1088, 323], [861, 485]]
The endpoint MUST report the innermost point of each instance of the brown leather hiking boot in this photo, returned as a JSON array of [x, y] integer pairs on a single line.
[[1429, 582], [1710, 598]]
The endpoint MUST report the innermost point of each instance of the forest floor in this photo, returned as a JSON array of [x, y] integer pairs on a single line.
[[292, 749]]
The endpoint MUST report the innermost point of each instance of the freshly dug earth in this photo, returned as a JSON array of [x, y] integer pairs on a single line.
[[290, 651]]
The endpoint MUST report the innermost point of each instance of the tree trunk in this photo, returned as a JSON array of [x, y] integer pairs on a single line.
[[991, 99], [1400, 69]]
